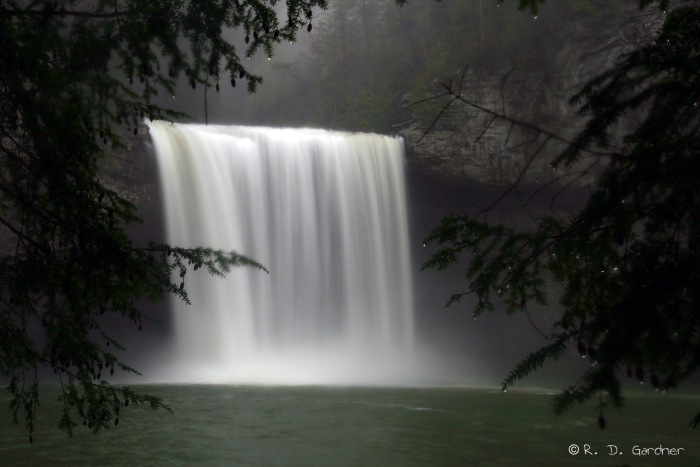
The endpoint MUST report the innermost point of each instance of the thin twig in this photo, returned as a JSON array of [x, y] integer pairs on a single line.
[[527, 313], [503, 82], [485, 129], [435, 121]]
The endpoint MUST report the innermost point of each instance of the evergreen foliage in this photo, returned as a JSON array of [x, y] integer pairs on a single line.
[[629, 262], [73, 77]]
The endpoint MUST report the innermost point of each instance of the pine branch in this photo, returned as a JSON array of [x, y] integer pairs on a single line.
[[536, 360]]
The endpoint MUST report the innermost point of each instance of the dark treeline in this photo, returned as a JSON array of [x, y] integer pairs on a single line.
[[366, 60]]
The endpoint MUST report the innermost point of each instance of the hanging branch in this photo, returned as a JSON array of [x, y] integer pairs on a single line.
[[627, 263]]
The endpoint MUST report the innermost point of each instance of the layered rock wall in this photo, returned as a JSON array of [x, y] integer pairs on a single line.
[[466, 143]]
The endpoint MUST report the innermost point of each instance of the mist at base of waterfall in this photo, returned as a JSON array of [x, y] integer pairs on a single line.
[[311, 367]]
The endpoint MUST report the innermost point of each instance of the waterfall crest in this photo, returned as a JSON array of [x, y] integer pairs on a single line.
[[325, 212]]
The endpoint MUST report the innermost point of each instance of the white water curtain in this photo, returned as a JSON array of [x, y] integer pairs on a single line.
[[325, 212]]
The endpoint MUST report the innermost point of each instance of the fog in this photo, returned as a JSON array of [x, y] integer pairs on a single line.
[[300, 76]]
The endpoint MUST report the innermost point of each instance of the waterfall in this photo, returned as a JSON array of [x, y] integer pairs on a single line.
[[325, 212]]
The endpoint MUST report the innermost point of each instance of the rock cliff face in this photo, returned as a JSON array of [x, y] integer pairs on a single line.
[[133, 173], [467, 144]]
